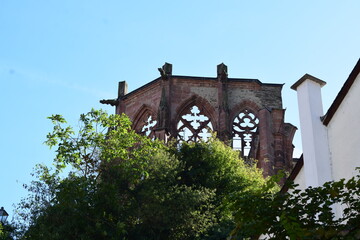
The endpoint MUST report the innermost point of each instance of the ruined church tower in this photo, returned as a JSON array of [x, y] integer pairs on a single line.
[[245, 113]]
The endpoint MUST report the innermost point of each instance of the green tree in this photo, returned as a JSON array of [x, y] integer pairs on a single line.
[[306, 214], [119, 185], [7, 231], [216, 166], [110, 183]]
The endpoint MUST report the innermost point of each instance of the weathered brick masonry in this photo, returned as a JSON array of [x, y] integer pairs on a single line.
[[186, 107]]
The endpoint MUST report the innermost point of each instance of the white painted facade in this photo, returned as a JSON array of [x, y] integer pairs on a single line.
[[317, 169], [300, 179], [331, 145], [344, 135], [331, 151]]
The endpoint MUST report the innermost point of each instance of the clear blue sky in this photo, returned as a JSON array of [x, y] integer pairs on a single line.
[[64, 56]]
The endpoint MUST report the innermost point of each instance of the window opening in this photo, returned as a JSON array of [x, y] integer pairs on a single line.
[[245, 126], [194, 126], [148, 126]]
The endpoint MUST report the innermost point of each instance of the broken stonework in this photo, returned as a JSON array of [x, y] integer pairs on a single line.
[[245, 113]]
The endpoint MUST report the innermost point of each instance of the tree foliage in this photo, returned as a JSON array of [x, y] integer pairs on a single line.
[[110, 183], [7, 231], [216, 166], [301, 214]]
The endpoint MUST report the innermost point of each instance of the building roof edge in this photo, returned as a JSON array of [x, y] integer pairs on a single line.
[[342, 93], [307, 77]]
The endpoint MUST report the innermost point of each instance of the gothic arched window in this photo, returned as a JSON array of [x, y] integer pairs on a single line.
[[194, 126], [145, 122], [148, 126], [244, 131]]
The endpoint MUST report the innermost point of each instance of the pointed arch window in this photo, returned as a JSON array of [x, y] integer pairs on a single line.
[[244, 132], [148, 126], [145, 123], [194, 126]]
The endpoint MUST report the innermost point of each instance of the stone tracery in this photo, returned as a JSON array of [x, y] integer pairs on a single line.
[[194, 126], [148, 126], [145, 122], [244, 130]]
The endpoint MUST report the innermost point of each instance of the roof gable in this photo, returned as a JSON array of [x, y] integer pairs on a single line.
[[342, 94]]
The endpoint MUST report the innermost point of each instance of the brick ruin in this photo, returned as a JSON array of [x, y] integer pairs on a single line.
[[245, 113]]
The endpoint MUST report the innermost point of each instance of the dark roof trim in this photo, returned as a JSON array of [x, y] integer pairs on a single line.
[[341, 95], [299, 164], [305, 77]]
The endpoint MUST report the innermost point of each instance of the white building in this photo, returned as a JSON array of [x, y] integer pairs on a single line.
[[331, 142]]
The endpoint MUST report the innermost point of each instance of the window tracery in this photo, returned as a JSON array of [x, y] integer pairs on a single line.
[[148, 126], [194, 126], [244, 130]]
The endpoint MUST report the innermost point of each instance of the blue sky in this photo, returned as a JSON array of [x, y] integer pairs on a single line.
[[64, 56]]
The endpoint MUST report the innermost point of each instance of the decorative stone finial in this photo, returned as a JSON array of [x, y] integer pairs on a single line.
[[222, 71], [123, 89], [165, 71], [167, 68]]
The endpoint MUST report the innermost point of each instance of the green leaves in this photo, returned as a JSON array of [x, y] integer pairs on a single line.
[[307, 214], [217, 167], [119, 185], [7, 231], [111, 183]]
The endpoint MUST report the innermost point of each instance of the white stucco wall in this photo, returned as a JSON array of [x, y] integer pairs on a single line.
[[344, 135], [317, 169], [300, 179]]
